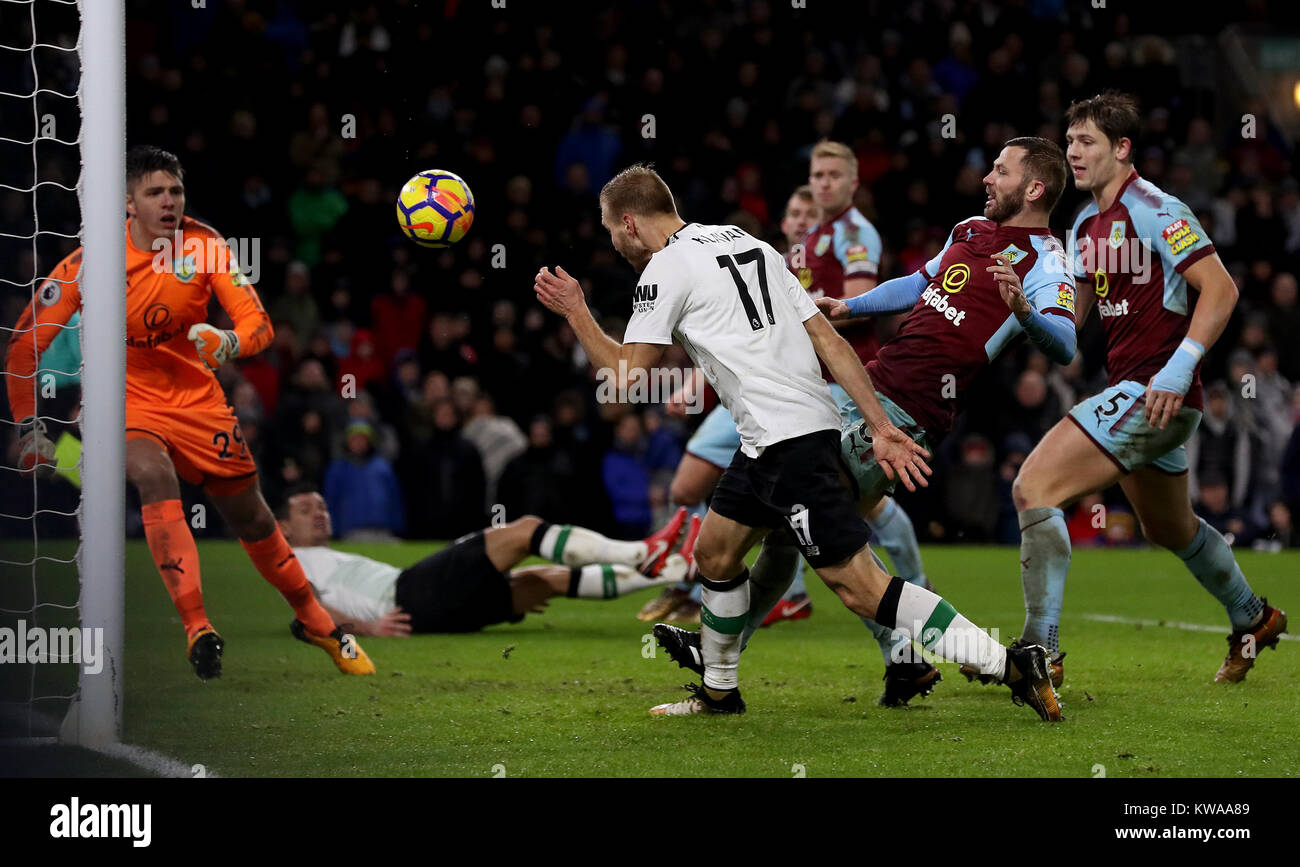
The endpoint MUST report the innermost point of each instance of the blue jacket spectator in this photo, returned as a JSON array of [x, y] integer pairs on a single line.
[[627, 479], [362, 491]]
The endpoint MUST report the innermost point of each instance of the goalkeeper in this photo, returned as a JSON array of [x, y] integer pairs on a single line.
[[472, 583], [177, 421]]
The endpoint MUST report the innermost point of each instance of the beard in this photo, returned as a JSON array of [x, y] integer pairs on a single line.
[[1007, 206]]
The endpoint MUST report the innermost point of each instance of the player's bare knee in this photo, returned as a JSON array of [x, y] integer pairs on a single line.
[[712, 564], [684, 493], [153, 477], [1025, 493]]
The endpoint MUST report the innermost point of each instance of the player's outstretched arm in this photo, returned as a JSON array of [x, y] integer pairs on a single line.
[[894, 450], [892, 296], [1053, 334], [395, 623], [562, 294], [1218, 297]]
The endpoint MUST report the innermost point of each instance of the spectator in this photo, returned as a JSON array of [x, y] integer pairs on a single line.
[[1214, 505], [296, 305], [1222, 448], [539, 481], [364, 498], [383, 436], [314, 208], [446, 497], [1087, 524], [971, 491], [627, 478], [399, 315], [498, 440], [363, 363]]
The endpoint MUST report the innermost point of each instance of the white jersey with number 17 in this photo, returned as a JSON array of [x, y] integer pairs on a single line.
[[738, 312]]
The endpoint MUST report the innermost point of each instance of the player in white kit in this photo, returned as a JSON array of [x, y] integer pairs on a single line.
[[745, 320]]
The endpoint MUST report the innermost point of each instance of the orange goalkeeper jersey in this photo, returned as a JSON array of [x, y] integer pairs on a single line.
[[164, 297]]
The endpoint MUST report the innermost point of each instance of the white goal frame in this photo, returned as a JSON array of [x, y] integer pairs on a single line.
[[94, 718]]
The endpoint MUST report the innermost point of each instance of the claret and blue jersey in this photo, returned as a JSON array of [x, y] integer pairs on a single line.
[[1133, 256], [960, 323]]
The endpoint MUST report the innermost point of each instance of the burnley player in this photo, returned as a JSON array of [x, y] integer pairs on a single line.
[[998, 278], [746, 321], [1133, 432], [177, 420], [842, 260]]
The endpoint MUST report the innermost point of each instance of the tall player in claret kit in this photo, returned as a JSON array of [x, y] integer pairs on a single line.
[[749, 325], [177, 419], [1133, 432]]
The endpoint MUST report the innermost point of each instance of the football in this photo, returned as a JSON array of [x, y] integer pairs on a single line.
[[435, 208]]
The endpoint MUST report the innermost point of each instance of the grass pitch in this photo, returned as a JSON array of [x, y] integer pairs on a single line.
[[565, 693]]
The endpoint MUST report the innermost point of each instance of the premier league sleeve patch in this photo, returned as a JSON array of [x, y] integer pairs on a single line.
[[50, 292]]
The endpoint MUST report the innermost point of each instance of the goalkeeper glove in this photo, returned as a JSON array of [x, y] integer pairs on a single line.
[[35, 451], [215, 346], [1176, 375]]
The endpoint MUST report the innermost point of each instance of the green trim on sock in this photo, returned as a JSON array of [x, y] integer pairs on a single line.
[[610, 582], [933, 630], [560, 541], [725, 625]]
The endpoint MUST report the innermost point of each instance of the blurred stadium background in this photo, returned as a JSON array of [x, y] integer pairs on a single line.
[[298, 122]]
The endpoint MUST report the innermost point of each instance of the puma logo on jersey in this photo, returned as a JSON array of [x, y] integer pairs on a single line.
[[939, 301], [171, 566], [1113, 308], [643, 298]]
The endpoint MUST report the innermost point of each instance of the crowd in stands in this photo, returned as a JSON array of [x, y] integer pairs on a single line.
[[427, 393]]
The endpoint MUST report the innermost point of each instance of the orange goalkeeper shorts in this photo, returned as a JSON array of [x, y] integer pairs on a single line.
[[204, 443]]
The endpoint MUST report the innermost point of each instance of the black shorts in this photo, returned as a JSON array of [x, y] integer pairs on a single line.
[[802, 484], [456, 590]]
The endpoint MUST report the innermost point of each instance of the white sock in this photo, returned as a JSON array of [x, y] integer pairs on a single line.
[[578, 546], [609, 581], [930, 619], [722, 626]]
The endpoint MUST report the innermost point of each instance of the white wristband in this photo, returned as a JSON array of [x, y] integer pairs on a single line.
[[1192, 348]]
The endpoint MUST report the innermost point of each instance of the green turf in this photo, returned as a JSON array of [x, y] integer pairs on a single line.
[[565, 693]]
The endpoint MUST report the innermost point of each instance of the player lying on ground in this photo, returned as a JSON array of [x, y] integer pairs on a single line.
[[472, 583], [177, 419], [999, 278], [748, 324], [1133, 432]]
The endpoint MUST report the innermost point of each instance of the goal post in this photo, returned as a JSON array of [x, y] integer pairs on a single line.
[[94, 718]]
